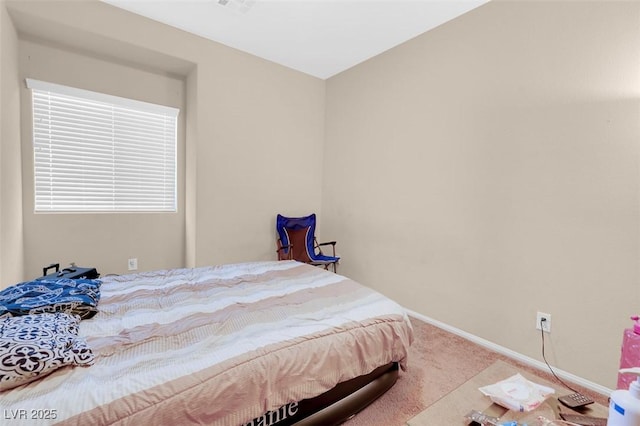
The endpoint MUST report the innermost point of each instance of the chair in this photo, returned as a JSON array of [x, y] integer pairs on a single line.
[[297, 241]]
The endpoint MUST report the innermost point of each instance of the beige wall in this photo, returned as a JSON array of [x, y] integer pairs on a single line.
[[488, 170], [102, 240], [11, 240], [247, 122], [477, 174]]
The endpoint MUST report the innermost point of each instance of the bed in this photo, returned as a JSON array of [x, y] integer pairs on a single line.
[[256, 344]]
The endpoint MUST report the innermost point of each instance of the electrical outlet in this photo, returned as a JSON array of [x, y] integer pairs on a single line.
[[543, 322], [133, 264]]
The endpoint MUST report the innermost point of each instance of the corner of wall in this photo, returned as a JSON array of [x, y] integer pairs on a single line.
[[11, 241], [191, 177]]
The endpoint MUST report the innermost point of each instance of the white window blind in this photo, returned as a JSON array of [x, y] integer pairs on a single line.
[[100, 153]]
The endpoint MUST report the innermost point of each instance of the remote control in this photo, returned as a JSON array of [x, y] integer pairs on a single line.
[[580, 419], [575, 400]]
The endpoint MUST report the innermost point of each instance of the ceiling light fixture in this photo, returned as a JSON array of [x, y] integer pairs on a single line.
[[242, 6]]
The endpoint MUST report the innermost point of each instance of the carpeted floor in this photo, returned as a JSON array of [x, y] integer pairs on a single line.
[[439, 362]]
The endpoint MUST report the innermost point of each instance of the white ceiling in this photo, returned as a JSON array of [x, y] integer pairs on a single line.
[[317, 37]]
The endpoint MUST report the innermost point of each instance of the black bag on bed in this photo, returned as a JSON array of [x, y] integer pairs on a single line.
[[72, 272]]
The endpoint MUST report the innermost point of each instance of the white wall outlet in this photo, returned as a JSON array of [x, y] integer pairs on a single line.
[[133, 264], [543, 322]]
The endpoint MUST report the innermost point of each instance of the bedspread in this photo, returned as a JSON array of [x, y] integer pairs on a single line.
[[217, 345]]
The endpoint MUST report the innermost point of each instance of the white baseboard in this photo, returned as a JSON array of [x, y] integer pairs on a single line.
[[513, 354]]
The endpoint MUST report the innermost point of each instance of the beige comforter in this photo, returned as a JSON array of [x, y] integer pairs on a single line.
[[217, 346]]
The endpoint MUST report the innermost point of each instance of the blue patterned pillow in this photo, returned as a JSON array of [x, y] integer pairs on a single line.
[[32, 346], [79, 297]]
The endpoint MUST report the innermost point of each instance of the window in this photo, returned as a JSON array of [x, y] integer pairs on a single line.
[[100, 153]]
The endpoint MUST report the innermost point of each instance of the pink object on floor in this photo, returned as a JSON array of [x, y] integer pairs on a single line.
[[630, 356]]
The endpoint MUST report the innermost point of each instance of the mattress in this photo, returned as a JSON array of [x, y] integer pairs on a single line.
[[217, 345]]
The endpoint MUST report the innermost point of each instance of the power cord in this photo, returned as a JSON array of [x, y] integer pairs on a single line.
[[542, 320]]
